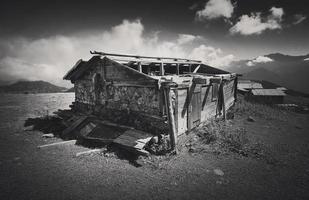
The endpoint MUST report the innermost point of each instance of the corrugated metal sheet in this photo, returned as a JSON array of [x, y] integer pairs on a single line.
[[267, 92]]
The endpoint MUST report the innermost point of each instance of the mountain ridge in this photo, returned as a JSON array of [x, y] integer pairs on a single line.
[[286, 70], [31, 87]]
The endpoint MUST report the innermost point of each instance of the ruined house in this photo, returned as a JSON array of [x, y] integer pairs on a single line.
[[154, 94], [266, 96]]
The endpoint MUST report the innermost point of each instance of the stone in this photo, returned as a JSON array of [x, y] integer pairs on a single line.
[[48, 135], [16, 158], [155, 139], [218, 172], [28, 128], [250, 119]]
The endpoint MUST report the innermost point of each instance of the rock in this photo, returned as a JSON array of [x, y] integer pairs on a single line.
[[155, 139], [28, 128], [218, 172], [48, 135], [192, 149], [16, 158], [250, 119]]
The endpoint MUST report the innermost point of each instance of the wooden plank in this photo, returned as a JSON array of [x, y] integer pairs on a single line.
[[176, 111], [147, 57], [182, 119], [87, 152], [87, 129], [139, 67], [74, 125], [205, 97], [57, 143], [170, 112], [162, 69], [133, 85], [134, 139]]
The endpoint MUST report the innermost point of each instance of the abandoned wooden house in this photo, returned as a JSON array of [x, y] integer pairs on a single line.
[[266, 96], [157, 95]]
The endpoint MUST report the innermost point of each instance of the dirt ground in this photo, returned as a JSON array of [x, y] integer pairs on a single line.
[[27, 172]]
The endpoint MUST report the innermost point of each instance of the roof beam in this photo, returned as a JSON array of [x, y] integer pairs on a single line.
[[147, 57]]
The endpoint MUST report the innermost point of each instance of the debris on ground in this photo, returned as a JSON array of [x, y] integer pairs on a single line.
[[159, 146], [48, 135], [250, 119], [218, 172], [28, 128]]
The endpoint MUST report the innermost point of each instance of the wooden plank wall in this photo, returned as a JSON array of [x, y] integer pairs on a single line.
[[182, 117], [229, 91], [208, 106]]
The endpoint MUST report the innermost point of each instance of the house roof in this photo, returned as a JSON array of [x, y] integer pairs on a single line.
[[249, 85], [79, 68], [197, 68], [267, 92]]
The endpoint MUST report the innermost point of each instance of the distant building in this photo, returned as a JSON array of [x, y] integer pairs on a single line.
[[244, 86], [282, 88], [266, 96]]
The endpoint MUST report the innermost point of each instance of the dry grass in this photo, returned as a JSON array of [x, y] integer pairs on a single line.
[[243, 107], [219, 136]]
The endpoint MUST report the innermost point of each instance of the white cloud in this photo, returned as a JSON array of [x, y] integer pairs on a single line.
[[186, 38], [299, 18], [216, 9], [211, 56], [50, 58], [259, 59], [255, 24]]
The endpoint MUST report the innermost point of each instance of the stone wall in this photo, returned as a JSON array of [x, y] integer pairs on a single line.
[[132, 105]]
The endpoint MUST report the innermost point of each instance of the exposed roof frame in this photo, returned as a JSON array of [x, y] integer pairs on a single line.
[[145, 57]]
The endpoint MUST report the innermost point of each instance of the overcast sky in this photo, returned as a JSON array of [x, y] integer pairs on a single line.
[[41, 40]]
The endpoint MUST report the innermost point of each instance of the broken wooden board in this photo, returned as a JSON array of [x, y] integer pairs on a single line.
[[73, 126], [134, 140], [97, 131], [58, 143]]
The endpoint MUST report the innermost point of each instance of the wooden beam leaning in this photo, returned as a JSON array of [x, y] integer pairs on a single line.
[[57, 143], [147, 57], [168, 87]]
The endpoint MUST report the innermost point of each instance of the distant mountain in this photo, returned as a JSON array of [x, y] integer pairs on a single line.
[[31, 87], [288, 71], [70, 90]]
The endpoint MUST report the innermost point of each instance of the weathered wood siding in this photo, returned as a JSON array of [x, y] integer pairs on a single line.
[[209, 104], [182, 113], [206, 105], [229, 94]]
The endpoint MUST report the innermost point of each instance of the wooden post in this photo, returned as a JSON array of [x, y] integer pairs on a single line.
[[235, 87], [168, 86], [177, 68], [223, 103], [161, 69], [139, 64]]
